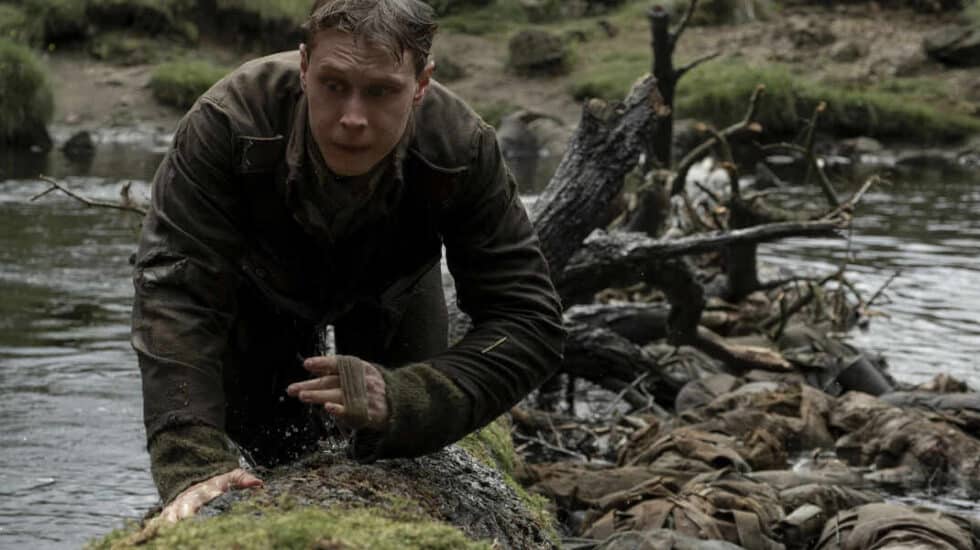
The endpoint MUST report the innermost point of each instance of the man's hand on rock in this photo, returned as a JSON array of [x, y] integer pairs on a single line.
[[347, 387], [194, 497]]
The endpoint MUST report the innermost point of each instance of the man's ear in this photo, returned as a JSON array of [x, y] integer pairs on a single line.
[[423, 82], [304, 64]]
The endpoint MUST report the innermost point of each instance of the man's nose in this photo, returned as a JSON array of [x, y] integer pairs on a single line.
[[354, 115]]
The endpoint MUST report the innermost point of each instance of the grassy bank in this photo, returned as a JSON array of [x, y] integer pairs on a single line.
[[180, 83], [718, 93], [26, 101]]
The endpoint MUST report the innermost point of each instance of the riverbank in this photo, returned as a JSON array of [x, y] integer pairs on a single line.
[[846, 55]]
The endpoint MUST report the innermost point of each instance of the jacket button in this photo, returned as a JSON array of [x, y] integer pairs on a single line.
[[261, 272]]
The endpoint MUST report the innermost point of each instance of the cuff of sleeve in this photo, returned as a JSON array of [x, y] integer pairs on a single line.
[[426, 412], [185, 455]]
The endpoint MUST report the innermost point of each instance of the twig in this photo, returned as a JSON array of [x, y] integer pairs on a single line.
[[811, 159], [85, 200], [881, 289], [855, 198], [696, 154], [708, 192], [703, 59], [682, 25], [619, 396], [547, 445]]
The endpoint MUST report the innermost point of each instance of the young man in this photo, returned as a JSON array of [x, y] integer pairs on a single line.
[[318, 188]]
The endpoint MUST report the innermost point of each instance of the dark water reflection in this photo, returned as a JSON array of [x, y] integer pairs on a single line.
[[925, 226], [72, 458]]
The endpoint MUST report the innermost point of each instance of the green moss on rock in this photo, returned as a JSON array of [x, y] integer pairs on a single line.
[[26, 101], [180, 83], [249, 527], [494, 446]]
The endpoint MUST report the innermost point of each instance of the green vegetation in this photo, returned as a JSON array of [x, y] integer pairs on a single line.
[[124, 48], [720, 95], [180, 83], [498, 17], [15, 24], [493, 112], [494, 447], [719, 92], [295, 11], [971, 13], [26, 102], [247, 527]]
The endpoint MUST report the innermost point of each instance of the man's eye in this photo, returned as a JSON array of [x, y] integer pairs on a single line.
[[334, 86], [379, 91]]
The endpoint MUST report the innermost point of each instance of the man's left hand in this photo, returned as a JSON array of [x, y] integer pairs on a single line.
[[326, 389]]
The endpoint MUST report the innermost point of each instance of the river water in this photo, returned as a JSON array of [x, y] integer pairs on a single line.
[[72, 458]]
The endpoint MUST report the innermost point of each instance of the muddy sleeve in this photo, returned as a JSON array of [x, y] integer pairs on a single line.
[[517, 338], [185, 455], [186, 280]]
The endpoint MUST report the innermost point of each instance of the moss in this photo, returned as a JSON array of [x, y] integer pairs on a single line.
[[971, 13], [125, 48], [494, 447], [498, 17], [147, 16], [26, 101], [58, 20], [15, 25], [306, 527], [720, 95], [612, 76], [900, 109], [180, 83], [295, 11], [494, 111]]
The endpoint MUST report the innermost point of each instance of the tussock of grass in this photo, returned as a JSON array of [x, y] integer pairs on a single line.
[[307, 527], [180, 83], [26, 102]]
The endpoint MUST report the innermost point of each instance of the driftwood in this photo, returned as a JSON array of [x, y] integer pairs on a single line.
[[620, 258], [605, 147]]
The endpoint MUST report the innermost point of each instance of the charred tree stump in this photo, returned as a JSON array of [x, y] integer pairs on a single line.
[[605, 147]]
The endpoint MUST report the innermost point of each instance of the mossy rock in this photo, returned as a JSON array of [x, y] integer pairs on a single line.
[[537, 52], [26, 101], [454, 498], [180, 83]]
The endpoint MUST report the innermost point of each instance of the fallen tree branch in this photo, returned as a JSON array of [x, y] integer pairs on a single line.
[[56, 185]]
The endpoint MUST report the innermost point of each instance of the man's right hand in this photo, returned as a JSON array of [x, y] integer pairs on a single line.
[[194, 497]]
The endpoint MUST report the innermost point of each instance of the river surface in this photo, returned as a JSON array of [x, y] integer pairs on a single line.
[[72, 459]]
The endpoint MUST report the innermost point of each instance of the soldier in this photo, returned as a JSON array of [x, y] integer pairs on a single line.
[[317, 188]]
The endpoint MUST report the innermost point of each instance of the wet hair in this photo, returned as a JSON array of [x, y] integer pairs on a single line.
[[397, 26]]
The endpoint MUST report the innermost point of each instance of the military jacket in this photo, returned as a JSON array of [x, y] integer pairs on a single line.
[[228, 211]]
